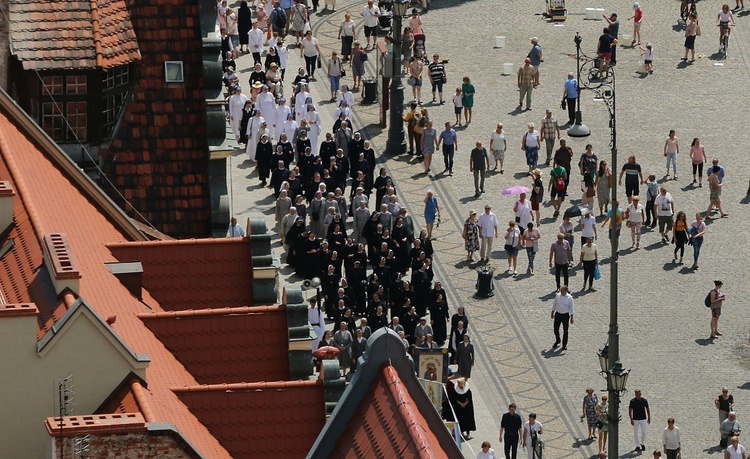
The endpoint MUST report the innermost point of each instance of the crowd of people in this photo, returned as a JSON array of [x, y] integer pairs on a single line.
[[339, 217]]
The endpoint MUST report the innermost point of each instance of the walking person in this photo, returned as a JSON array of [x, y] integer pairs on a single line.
[[437, 76], [570, 94], [614, 217], [465, 358], [671, 149], [512, 243], [671, 441], [603, 185], [735, 450], [633, 177], [637, 18], [486, 452], [698, 157], [511, 426], [716, 300], [550, 133], [589, 261], [498, 145], [697, 232], [563, 312], [526, 77], [680, 235], [310, 50], [471, 235], [531, 431], [431, 211], [602, 410], [614, 30], [522, 210], [634, 216], [729, 428], [530, 144], [449, 139], [560, 253], [415, 79], [652, 191], [488, 227], [558, 179], [664, 205], [347, 35], [429, 143], [724, 403], [714, 187], [458, 105], [537, 192], [530, 240], [640, 418], [371, 15], [536, 58], [479, 162], [588, 411]]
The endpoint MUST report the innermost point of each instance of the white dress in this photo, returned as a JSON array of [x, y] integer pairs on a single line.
[[236, 104], [266, 103], [282, 111], [345, 110], [523, 212], [289, 128], [313, 122], [254, 126], [347, 96], [299, 104]]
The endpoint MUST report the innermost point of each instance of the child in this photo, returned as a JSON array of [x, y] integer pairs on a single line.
[[648, 57], [458, 105]]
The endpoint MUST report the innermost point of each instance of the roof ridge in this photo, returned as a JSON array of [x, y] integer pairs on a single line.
[[211, 312], [175, 242], [137, 388], [97, 32], [409, 413], [262, 385]]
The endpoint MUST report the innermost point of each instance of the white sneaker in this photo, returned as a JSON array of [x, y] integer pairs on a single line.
[[721, 48]]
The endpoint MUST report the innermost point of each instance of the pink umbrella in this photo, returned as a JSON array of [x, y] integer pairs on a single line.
[[518, 189]]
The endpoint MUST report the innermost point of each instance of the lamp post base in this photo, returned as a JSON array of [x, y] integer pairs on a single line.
[[579, 130]]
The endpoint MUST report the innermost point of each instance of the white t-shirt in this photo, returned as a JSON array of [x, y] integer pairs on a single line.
[[735, 453], [523, 212], [309, 47], [536, 427], [634, 213], [369, 14], [725, 17], [588, 227], [589, 253], [458, 100], [487, 223], [513, 237], [532, 138], [498, 141], [663, 206], [348, 29]]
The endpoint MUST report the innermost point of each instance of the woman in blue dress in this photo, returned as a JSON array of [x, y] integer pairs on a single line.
[[431, 211]]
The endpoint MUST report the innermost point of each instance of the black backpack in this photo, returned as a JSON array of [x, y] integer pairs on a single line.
[[279, 20], [707, 301]]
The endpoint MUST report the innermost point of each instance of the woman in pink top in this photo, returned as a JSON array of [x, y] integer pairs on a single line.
[[698, 155], [637, 18], [415, 22]]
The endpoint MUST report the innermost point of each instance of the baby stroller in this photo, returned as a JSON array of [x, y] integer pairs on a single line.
[[419, 48], [385, 20]]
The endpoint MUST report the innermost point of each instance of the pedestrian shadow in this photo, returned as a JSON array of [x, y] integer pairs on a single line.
[[468, 199], [580, 442], [549, 353], [745, 200], [246, 164], [683, 64], [688, 187], [713, 450], [743, 13], [464, 264], [548, 220], [717, 57], [704, 342], [640, 74], [653, 246], [745, 386], [679, 27], [670, 266], [549, 296], [517, 111], [520, 175], [686, 270]]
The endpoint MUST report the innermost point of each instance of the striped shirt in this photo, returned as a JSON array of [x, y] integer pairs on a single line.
[[437, 70]]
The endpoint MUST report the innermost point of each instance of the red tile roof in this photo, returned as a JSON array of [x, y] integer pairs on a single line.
[[123, 399], [226, 345], [47, 35], [193, 273], [279, 419], [388, 423], [53, 196]]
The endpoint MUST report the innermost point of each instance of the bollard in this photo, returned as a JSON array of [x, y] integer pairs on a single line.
[[500, 41], [591, 13], [508, 68]]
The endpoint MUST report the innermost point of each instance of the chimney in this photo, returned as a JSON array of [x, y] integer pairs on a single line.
[[6, 205], [130, 274], [59, 260]]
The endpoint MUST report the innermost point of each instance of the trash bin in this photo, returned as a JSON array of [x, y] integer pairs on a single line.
[[370, 91], [485, 287]]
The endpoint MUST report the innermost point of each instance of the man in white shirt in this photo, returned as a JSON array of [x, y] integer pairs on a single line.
[[671, 440], [256, 37], [664, 205], [563, 312], [487, 231], [371, 13], [589, 228], [235, 230]]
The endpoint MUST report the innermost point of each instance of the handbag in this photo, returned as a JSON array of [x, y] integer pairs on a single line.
[[564, 104], [343, 73], [412, 81], [320, 64], [508, 247], [597, 276]]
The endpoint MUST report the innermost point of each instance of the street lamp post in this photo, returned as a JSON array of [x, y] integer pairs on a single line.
[[578, 129], [396, 143]]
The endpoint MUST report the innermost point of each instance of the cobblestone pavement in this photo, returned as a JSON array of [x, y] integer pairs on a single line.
[[663, 323]]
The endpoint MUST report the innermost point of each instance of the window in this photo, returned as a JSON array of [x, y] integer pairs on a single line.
[[173, 72], [115, 85], [64, 98]]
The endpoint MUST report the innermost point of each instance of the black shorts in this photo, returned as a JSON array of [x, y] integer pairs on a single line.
[[371, 31], [457, 110], [557, 193], [631, 188]]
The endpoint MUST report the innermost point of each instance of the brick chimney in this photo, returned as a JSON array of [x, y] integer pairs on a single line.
[[6, 205], [59, 260]]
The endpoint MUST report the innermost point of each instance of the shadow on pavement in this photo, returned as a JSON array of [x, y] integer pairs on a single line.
[[704, 341], [745, 386], [549, 353], [584, 442], [713, 450]]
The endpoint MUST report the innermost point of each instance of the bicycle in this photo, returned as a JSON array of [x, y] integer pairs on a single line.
[[726, 32], [686, 9]]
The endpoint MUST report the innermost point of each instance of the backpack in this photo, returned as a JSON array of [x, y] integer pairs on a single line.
[[707, 301], [279, 20], [559, 183]]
